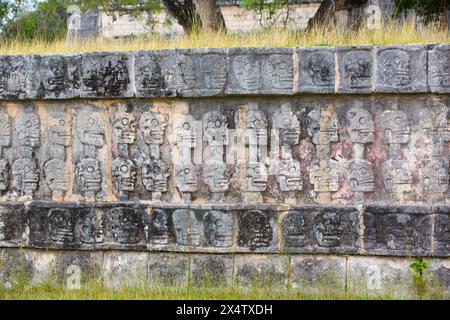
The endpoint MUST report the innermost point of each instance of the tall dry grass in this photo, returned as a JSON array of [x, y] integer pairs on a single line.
[[393, 32]]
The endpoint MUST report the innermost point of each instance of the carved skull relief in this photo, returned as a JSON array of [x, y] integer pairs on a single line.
[[256, 177], [327, 229], [125, 225], [56, 175], [155, 174], [320, 69], [395, 126], [324, 178], [159, 228], [218, 228], [395, 67], [360, 125], [294, 229], [397, 176], [90, 129], [88, 176], [5, 130], [59, 129], [281, 71], [257, 124], [28, 129], [123, 174], [358, 68], [434, 176], [444, 126], [323, 127], [90, 226], [360, 174], [184, 131], [247, 71], [288, 125], [213, 71], [153, 127], [124, 127], [25, 176], [255, 229], [216, 176], [289, 175], [215, 127], [186, 228], [187, 178], [61, 225]]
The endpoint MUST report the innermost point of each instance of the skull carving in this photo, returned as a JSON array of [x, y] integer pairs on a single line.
[[159, 228], [216, 176], [289, 176], [187, 178], [54, 75], [444, 126], [320, 68], [5, 130], [25, 176], [324, 177], [361, 175], [89, 176], [28, 129], [395, 126], [397, 177], [148, 76], [123, 174], [215, 127], [358, 68], [89, 226], [247, 71], [327, 229], [124, 127], [399, 232], [288, 125], [256, 177], [60, 130], [294, 229], [257, 124], [435, 177], [185, 131], [281, 71], [56, 175], [213, 71], [323, 126], [218, 232], [155, 174], [4, 176], [61, 225], [360, 127], [153, 127], [186, 228], [125, 225], [90, 129], [395, 67], [255, 230]]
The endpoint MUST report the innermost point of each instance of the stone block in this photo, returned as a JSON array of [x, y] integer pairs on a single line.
[[355, 69], [375, 276], [257, 228], [260, 71], [202, 72], [401, 69], [14, 76], [55, 76], [441, 232], [13, 231], [327, 229], [106, 74], [211, 270], [124, 269], [315, 69], [155, 73], [397, 230], [439, 68], [165, 269], [437, 278], [318, 273], [261, 271]]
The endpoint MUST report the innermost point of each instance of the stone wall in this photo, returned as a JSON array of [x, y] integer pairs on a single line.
[[314, 161]]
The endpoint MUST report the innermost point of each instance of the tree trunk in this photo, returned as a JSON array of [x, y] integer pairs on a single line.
[[328, 8], [184, 12], [210, 15]]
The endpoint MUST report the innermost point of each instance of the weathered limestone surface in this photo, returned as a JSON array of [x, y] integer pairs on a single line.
[[199, 164]]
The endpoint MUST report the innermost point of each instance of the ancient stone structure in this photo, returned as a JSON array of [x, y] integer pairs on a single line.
[[302, 163]]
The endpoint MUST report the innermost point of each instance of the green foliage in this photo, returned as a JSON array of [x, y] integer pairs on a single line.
[[419, 266], [428, 9], [260, 6]]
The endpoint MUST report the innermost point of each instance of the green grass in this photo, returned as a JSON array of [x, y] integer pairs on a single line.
[[393, 32]]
